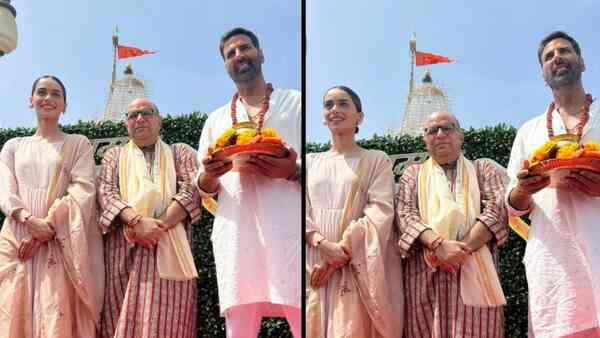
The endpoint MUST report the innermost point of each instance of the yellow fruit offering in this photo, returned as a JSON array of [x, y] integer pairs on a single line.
[[563, 147], [244, 134], [225, 138], [591, 146], [543, 152], [269, 132], [245, 137], [566, 151]]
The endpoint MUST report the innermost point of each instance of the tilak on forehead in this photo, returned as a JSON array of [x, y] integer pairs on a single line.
[[237, 40], [557, 43]]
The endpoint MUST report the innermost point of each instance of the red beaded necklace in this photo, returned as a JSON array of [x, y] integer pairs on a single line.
[[584, 116], [263, 109]]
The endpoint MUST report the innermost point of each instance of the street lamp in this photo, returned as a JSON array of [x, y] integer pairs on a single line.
[[8, 27]]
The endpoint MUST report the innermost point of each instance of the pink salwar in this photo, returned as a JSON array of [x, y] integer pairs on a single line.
[[243, 321]]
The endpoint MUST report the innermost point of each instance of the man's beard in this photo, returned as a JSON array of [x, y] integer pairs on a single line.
[[568, 78], [250, 73]]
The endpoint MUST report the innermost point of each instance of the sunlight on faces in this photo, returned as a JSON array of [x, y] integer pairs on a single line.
[[442, 137], [339, 112], [243, 61], [143, 128], [48, 99], [561, 66]]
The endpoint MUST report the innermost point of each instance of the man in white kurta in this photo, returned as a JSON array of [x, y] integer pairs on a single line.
[[562, 258], [257, 231]]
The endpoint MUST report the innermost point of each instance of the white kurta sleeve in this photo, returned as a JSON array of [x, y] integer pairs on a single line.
[[517, 155]]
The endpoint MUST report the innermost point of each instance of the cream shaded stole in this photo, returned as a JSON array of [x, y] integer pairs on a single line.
[[76, 247], [150, 196], [452, 215], [315, 327]]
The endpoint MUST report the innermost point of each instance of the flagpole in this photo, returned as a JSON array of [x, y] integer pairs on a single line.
[[115, 39], [413, 48]]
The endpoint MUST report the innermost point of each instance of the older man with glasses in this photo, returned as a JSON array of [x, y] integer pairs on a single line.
[[452, 217], [148, 203]]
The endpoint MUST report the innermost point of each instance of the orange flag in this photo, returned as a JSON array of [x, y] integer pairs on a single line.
[[422, 59], [124, 52]]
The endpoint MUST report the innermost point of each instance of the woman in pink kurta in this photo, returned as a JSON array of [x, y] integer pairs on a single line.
[[51, 268], [353, 272]]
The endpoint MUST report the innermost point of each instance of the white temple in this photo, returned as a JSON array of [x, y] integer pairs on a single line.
[[421, 100], [122, 92]]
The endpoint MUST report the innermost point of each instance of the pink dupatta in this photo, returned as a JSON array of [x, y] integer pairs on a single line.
[[368, 301], [69, 268]]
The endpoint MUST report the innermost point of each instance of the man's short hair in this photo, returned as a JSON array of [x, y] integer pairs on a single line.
[[557, 35], [238, 31], [458, 127]]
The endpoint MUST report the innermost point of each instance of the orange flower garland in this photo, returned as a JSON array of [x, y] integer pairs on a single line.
[[583, 118]]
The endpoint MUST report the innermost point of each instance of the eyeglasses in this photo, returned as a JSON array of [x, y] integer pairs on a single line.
[[446, 128], [144, 113]]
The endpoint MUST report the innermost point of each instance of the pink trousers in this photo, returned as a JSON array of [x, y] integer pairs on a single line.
[[243, 321], [589, 333]]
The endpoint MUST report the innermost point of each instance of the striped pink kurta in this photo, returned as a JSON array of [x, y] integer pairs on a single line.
[[434, 307], [137, 302]]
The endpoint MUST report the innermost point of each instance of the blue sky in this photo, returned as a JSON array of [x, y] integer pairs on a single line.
[[72, 40], [364, 44]]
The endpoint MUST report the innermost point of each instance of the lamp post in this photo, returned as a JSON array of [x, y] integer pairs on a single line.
[[8, 27]]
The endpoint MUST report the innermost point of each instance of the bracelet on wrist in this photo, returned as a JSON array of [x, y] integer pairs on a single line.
[[134, 221], [21, 216], [319, 242], [317, 239], [436, 243]]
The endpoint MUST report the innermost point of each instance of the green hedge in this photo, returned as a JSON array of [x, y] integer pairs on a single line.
[[184, 129], [494, 143]]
